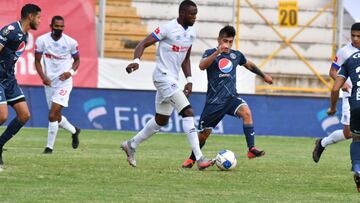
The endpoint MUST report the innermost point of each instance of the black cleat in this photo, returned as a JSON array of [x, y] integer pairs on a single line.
[[75, 138], [357, 180], [47, 150], [318, 150]]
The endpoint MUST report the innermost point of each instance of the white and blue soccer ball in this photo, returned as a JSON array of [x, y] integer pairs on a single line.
[[225, 160]]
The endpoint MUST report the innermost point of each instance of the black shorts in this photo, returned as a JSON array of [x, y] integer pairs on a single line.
[[10, 92], [212, 114]]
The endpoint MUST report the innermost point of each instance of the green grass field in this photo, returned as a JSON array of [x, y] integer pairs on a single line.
[[98, 171]]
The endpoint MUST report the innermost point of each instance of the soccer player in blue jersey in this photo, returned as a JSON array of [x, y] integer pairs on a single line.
[[351, 69], [221, 98], [13, 39]]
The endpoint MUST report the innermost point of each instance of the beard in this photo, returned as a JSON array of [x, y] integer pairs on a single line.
[[33, 26]]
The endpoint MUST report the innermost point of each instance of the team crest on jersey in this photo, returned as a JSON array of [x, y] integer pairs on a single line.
[[232, 56], [225, 65], [178, 37], [7, 30], [20, 49], [335, 59], [157, 30], [356, 56]]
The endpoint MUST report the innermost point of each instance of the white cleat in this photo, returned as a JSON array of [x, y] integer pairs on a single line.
[[130, 153]]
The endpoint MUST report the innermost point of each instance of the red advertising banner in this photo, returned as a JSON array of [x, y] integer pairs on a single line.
[[79, 18]]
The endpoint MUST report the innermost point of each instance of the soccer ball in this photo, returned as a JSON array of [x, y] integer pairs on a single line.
[[225, 160]]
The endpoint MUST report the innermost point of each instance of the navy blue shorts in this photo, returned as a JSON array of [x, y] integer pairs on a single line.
[[355, 121], [212, 114], [10, 92]]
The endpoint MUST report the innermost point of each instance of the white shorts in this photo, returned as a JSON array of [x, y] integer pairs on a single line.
[[168, 97], [59, 95], [345, 117]]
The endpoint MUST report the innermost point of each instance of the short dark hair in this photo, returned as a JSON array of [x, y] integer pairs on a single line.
[[186, 4], [29, 9], [227, 31], [56, 18], [355, 27]]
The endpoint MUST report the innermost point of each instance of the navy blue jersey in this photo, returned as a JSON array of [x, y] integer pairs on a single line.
[[221, 75], [13, 40], [351, 69]]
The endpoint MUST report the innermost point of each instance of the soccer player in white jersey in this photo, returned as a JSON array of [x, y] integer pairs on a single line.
[[175, 40], [343, 54], [60, 57]]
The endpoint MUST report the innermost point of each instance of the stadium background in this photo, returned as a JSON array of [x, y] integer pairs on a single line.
[[296, 51]]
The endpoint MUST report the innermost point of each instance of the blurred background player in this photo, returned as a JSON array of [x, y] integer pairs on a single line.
[[343, 54], [350, 69], [175, 40], [61, 60], [13, 39], [221, 98]]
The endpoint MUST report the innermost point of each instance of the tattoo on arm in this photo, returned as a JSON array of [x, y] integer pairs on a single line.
[[257, 71]]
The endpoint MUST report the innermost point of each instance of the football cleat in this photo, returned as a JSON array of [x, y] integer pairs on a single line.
[[130, 153], [253, 153], [318, 150], [357, 180], [204, 163], [188, 163], [75, 138], [47, 150]]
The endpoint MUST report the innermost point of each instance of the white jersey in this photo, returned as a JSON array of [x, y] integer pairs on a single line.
[[174, 42], [341, 56], [57, 55]]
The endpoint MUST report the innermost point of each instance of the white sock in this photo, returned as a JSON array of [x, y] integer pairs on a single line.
[[189, 129], [52, 131], [149, 129], [334, 137], [64, 123]]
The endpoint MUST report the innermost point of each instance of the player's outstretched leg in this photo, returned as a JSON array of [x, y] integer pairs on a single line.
[[203, 135], [150, 129], [318, 150]]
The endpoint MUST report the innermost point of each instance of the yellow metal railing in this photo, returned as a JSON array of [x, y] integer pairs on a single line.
[[287, 43]]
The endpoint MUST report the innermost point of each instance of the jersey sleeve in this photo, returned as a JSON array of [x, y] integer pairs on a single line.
[[344, 71], [338, 60], [207, 53], [242, 60], [74, 48], [160, 32], [5, 34], [39, 46]]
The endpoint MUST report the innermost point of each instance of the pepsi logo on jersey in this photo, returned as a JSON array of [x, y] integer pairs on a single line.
[[225, 65]]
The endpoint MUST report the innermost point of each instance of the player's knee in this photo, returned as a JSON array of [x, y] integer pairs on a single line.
[[186, 112], [3, 119], [347, 133], [247, 117], [24, 117], [161, 120], [53, 116]]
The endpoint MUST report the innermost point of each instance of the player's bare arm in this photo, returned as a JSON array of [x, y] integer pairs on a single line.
[[74, 68], [333, 74], [46, 81], [206, 62], [339, 82], [253, 68], [186, 68], [139, 50], [1, 47]]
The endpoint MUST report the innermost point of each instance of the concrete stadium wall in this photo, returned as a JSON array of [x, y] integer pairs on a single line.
[[129, 110]]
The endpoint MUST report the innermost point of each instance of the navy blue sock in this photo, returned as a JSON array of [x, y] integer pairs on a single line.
[[355, 155], [14, 126], [249, 135]]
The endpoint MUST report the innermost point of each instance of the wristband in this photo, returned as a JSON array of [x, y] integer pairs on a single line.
[[137, 61], [189, 79], [72, 72]]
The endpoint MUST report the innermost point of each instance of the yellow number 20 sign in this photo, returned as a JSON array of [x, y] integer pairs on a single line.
[[288, 13]]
